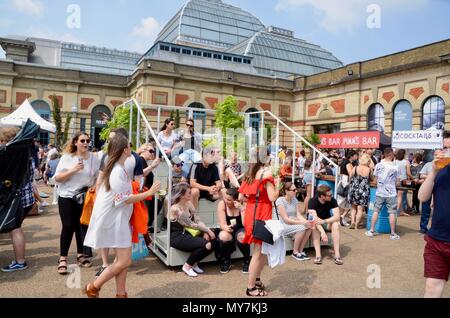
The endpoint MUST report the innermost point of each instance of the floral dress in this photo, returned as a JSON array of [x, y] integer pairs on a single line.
[[359, 191]]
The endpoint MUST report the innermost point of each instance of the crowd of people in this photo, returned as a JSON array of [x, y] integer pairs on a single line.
[[241, 198]]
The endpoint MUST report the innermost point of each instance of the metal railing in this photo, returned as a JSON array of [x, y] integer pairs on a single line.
[[149, 132], [301, 139]]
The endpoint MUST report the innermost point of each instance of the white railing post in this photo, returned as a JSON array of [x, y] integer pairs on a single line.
[[130, 136], [277, 146], [261, 130], [293, 160], [138, 133], [313, 166], [146, 135]]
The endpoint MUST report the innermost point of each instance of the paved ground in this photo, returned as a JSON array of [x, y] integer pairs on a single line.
[[400, 264]]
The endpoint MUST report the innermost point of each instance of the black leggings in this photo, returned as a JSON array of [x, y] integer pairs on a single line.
[[228, 247], [187, 243], [70, 213]]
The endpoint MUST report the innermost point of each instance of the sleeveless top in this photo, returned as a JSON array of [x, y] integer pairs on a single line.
[[238, 219]]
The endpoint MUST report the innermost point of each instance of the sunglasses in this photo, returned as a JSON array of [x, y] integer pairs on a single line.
[[85, 141], [191, 126], [151, 151], [292, 190], [179, 165]]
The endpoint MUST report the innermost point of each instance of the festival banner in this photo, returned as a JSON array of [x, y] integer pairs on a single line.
[[363, 139], [419, 139]]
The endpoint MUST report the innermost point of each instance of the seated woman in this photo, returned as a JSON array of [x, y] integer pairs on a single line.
[[294, 224], [184, 220], [229, 213]]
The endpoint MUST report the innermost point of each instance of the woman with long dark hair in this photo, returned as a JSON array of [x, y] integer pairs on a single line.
[[188, 233], [167, 137], [110, 221], [259, 176], [76, 172]]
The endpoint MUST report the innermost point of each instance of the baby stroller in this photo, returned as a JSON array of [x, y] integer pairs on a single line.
[[14, 163]]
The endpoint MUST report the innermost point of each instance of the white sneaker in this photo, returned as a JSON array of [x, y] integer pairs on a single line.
[[44, 204], [197, 269], [369, 234], [395, 236], [189, 271]]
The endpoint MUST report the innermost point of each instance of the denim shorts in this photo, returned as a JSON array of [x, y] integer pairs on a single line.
[[391, 204]]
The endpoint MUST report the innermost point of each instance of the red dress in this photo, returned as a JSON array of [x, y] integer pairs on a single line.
[[263, 210]]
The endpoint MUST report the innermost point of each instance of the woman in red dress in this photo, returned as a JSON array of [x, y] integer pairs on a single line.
[[268, 193]]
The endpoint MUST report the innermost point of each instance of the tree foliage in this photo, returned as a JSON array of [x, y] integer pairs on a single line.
[[228, 117], [120, 119], [61, 135]]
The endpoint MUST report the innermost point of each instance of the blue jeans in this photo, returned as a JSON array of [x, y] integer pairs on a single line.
[[425, 215]]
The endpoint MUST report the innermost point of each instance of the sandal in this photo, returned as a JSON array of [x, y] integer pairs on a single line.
[[62, 269], [261, 292], [338, 261], [259, 284], [318, 260], [83, 261]]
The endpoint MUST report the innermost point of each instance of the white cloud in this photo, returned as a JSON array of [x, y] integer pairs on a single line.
[[148, 29], [346, 15], [49, 34], [29, 7]]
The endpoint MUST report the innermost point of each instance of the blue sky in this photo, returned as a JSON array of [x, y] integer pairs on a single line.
[[338, 26]]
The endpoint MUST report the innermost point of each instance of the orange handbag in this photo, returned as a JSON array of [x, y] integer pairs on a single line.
[[87, 208]]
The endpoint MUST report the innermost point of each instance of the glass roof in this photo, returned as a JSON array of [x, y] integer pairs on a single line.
[[276, 54], [95, 59], [210, 23]]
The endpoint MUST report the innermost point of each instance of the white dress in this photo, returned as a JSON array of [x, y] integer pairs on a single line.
[[110, 221]]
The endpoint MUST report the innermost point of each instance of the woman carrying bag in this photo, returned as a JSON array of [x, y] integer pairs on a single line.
[[75, 174]]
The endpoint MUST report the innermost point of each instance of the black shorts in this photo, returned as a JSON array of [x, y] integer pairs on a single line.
[[206, 195], [25, 213]]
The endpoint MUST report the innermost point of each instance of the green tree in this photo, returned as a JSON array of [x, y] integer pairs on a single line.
[[121, 119], [313, 139], [228, 117], [61, 135], [177, 119]]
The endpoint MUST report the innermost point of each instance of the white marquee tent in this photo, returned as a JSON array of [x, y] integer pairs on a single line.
[[24, 112]]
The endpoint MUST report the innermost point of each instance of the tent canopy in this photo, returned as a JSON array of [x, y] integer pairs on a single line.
[[25, 112]]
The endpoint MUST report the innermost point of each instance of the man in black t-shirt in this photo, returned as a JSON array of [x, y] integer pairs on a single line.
[[205, 180], [324, 210]]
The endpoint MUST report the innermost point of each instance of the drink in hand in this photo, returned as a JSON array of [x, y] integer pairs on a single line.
[[445, 161]]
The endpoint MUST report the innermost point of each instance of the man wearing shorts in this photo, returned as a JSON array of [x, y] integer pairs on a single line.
[[437, 250], [386, 174], [205, 180]]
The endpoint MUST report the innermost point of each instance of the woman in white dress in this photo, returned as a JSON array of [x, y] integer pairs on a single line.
[[110, 222]]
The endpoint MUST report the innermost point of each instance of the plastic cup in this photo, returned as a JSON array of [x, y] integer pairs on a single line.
[[444, 162], [233, 222]]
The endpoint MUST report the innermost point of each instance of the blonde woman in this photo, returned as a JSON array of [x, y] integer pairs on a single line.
[[359, 192]]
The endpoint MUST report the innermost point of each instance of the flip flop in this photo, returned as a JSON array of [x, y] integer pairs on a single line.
[[318, 260]]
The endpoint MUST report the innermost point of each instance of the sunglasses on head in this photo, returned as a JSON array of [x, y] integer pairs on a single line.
[[85, 141]]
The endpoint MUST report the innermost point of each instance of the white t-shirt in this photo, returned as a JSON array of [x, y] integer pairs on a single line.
[[401, 165], [51, 152], [386, 173], [110, 222], [166, 142], [83, 178], [130, 164]]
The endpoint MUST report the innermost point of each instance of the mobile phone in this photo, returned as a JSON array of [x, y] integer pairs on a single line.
[[80, 160]]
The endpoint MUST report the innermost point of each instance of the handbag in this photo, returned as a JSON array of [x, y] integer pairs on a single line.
[[260, 232], [80, 195], [87, 208], [193, 232]]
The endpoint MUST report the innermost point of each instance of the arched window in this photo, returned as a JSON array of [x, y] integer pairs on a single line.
[[254, 123], [199, 117], [376, 117], [402, 116], [433, 113], [43, 110]]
